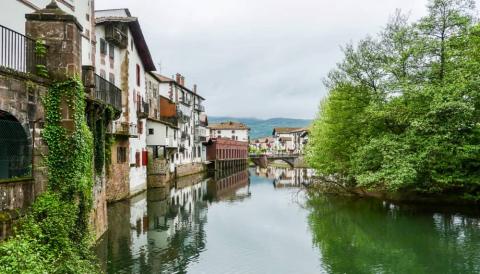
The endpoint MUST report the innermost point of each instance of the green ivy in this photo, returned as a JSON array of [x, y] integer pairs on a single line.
[[55, 236]]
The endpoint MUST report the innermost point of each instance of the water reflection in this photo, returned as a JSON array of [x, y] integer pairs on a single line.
[[371, 236], [162, 230], [247, 222], [286, 177]]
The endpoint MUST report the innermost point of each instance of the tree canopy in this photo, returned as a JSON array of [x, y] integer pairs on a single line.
[[403, 107]]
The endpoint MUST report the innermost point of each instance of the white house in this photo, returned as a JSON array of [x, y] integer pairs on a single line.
[[162, 125], [191, 119], [230, 130], [123, 58]]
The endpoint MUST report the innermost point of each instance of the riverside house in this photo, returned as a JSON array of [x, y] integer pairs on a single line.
[[123, 58], [230, 130], [290, 140]]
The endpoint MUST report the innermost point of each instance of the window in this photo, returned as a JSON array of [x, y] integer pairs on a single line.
[[138, 75], [111, 78], [111, 51], [103, 46], [103, 74], [140, 127], [218, 132], [174, 135], [166, 132], [121, 155], [233, 131], [150, 131], [131, 44]]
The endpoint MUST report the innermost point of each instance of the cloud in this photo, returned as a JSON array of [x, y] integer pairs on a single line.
[[257, 58]]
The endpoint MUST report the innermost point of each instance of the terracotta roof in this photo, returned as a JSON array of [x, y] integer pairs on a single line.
[[263, 140], [283, 130], [229, 125]]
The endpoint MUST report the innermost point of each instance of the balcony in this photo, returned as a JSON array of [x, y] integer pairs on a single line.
[[200, 108], [142, 109], [117, 35], [200, 139], [182, 117], [201, 132], [170, 120], [171, 143], [20, 53], [106, 92], [123, 129]]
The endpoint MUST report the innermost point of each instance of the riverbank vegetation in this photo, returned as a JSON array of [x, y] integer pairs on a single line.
[[402, 111], [54, 237]]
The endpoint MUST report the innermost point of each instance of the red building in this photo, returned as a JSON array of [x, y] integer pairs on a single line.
[[226, 153]]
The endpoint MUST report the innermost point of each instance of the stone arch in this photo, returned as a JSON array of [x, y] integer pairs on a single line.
[[15, 148], [285, 160]]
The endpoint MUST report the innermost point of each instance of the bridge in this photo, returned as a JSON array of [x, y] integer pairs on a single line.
[[262, 160]]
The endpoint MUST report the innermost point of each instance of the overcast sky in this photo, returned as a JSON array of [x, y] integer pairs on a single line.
[[257, 58]]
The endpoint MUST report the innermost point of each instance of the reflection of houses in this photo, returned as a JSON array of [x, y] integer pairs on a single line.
[[229, 186], [290, 140], [286, 177], [155, 229]]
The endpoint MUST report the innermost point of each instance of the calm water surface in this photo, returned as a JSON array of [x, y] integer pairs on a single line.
[[257, 221]]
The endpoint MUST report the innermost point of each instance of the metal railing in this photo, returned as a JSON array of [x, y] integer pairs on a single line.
[[123, 128], [200, 108], [108, 92], [143, 109], [170, 120], [19, 52]]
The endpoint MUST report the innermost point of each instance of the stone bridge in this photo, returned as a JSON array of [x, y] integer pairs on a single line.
[[263, 160]]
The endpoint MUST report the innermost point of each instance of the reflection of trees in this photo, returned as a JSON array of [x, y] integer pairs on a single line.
[[367, 236], [119, 240]]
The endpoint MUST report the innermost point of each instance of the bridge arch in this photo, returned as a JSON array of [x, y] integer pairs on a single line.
[[285, 160], [15, 148]]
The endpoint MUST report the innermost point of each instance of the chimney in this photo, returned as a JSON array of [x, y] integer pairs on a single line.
[[178, 78], [183, 81], [195, 88]]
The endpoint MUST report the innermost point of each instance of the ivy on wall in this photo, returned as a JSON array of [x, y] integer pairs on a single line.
[[55, 236]]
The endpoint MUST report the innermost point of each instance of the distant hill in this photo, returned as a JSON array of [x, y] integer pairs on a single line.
[[262, 128]]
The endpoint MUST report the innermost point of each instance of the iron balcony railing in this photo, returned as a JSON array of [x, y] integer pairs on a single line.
[[108, 92], [143, 109], [200, 108], [171, 120], [123, 128], [21, 53]]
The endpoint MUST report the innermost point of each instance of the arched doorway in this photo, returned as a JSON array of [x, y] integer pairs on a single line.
[[15, 148]]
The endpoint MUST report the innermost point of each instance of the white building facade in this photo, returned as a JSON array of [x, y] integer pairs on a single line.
[[123, 59], [230, 130]]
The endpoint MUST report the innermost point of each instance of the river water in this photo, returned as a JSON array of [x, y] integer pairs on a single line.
[[259, 221]]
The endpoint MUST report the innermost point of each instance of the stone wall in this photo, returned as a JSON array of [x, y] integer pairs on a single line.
[[20, 96], [158, 173], [118, 175], [189, 169]]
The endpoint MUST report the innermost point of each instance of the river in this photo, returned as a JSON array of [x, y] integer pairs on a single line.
[[259, 221]]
